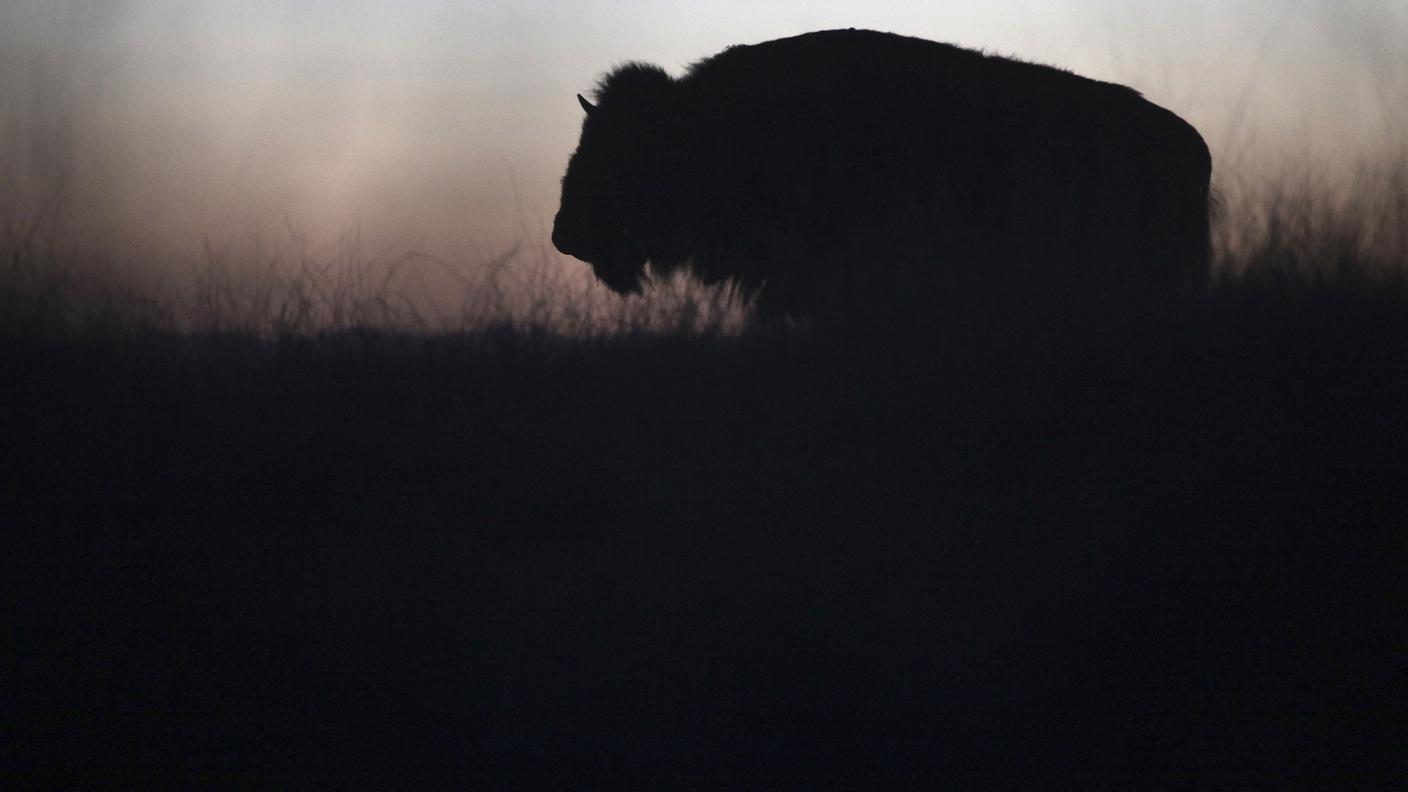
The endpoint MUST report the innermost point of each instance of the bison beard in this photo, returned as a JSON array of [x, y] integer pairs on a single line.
[[817, 172]]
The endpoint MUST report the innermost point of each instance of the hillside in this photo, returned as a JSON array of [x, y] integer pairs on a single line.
[[1108, 545]]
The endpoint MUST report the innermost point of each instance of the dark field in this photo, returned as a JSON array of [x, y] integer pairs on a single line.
[[1076, 546]]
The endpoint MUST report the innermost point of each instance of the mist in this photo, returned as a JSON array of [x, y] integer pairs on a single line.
[[154, 130]]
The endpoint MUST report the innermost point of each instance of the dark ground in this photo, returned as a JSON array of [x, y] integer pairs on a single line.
[[1150, 548]]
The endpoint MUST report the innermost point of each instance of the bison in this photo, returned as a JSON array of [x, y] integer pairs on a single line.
[[808, 170]]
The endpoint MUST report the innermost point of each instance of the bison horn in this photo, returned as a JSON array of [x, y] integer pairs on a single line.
[[587, 106]]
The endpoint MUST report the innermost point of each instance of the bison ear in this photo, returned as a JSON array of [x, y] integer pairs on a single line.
[[587, 106]]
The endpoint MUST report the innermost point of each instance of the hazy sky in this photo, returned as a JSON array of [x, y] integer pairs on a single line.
[[448, 124]]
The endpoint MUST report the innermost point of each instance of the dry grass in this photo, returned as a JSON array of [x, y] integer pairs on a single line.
[[293, 528], [1297, 235], [54, 289]]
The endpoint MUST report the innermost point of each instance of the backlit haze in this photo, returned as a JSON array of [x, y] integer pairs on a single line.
[[156, 127]]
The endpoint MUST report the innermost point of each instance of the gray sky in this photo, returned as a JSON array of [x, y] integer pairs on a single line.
[[447, 125]]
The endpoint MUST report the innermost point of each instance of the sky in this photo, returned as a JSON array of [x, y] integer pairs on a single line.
[[157, 126]]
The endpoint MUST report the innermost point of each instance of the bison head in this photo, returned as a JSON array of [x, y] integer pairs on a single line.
[[615, 197]]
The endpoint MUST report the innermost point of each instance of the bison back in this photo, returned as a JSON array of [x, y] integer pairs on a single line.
[[845, 163]]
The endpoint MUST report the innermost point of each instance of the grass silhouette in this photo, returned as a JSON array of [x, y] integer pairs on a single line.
[[297, 531]]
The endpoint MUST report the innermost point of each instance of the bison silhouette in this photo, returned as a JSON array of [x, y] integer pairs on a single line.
[[809, 170]]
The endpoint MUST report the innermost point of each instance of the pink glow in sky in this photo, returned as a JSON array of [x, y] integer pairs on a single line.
[[446, 126]]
